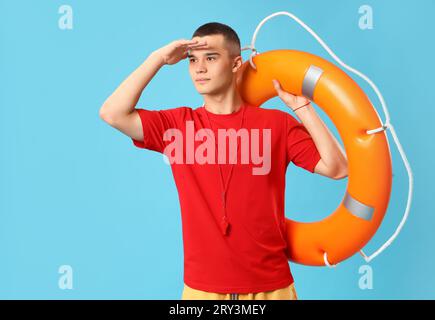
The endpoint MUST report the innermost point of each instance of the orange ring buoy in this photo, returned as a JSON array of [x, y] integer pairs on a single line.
[[362, 210]]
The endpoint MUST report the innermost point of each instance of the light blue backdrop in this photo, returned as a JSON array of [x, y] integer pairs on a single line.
[[76, 192]]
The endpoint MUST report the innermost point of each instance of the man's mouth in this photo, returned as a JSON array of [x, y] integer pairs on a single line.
[[202, 80]]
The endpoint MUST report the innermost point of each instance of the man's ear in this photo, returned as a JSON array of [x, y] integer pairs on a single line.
[[237, 63], [240, 71]]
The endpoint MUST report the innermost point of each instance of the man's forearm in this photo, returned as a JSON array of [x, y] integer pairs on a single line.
[[329, 148], [124, 99]]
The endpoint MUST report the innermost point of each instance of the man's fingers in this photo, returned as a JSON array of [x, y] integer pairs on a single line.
[[276, 84], [185, 43], [188, 41], [194, 45], [192, 42]]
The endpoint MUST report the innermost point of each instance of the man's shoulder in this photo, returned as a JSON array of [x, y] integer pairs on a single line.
[[178, 112], [181, 109]]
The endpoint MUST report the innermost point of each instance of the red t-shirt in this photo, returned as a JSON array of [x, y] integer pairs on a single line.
[[252, 256]]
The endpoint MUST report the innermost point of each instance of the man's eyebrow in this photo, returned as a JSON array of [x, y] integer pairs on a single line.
[[206, 54]]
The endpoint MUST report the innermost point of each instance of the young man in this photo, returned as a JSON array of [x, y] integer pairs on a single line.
[[231, 195]]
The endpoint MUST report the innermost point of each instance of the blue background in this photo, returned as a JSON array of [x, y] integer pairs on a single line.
[[74, 191]]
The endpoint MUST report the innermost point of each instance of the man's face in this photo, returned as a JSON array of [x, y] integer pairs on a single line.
[[213, 62]]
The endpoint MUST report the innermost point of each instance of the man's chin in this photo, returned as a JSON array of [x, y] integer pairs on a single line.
[[204, 91]]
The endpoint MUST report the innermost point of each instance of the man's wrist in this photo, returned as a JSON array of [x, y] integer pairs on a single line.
[[302, 107], [157, 57]]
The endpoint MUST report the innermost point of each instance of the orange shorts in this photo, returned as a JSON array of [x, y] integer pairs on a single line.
[[287, 293]]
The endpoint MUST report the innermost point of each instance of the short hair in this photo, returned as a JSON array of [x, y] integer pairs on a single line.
[[230, 36]]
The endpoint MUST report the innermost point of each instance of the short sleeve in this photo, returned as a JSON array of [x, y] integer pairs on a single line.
[[301, 149], [154, 125]]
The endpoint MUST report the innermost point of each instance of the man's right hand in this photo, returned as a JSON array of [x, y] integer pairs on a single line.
[[178, 49], [119, 109]]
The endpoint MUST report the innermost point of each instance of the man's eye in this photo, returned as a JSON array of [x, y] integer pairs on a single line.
[[211, 57]]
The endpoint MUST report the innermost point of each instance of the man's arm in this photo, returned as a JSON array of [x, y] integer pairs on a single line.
[[119, 109], [333, 162]]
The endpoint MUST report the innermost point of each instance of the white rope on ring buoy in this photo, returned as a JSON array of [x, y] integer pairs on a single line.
[[325, 259], [385, 126]]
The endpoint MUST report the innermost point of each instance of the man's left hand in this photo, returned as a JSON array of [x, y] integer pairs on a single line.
[[289, 99]]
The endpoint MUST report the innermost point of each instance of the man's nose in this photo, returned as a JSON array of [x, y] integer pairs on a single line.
[[201, 66]]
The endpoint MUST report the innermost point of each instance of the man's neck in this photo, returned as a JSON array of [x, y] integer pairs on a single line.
[[223, 105]]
